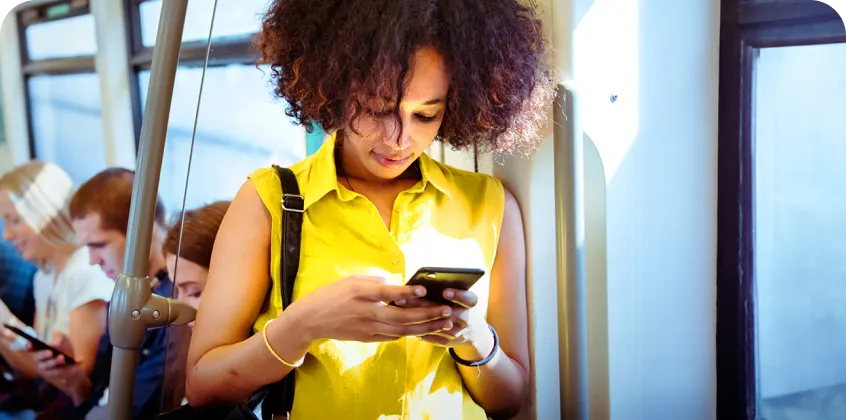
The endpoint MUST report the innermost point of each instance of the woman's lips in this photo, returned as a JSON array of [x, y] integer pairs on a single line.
[[387, 161]]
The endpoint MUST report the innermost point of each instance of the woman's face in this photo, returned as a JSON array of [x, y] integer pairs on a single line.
[[27, 241], [190, 279], [376, 149]]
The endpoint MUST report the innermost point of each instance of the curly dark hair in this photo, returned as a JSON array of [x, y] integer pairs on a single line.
[[329, 57]]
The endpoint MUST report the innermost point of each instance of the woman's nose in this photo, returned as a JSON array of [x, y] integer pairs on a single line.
[[404, 140]]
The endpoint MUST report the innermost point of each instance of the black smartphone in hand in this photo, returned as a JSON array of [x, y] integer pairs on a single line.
[[437, 279], [39, 345]]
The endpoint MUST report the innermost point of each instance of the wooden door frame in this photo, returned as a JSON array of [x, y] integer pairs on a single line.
[[746, 27]]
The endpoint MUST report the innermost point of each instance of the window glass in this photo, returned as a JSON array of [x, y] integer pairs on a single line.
[[5, 153], [67, 123], [51, 40], [233, 18], [800, 223], [241, 127]]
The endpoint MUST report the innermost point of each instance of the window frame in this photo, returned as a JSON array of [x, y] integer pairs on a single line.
[[228, 50], [34, 15], [746, 27]]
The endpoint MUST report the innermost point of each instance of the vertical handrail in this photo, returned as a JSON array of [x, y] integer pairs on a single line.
[[134, 308], [570, 233]]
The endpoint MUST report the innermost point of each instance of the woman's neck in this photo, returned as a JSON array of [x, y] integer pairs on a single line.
[[59, 256]]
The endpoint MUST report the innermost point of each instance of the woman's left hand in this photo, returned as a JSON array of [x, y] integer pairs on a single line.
[[469, 329]]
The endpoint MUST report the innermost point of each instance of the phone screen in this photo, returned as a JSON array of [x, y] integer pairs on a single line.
[[39, 345]]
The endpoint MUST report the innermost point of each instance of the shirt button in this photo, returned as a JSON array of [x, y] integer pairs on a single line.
[[395, 262]]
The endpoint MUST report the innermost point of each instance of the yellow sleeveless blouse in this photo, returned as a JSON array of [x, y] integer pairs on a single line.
[[451, 218]]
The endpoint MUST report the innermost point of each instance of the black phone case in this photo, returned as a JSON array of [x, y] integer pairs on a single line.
[[39, 345], [437, 279]]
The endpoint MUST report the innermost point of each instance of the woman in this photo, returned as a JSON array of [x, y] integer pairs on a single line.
[[70, 294], [187, 250], [387, 78]]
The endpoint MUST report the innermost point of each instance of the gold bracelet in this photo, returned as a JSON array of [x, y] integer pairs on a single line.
[[275, 354]]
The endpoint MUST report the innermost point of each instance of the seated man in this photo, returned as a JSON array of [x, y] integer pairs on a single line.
[[16, 276], [100, 213]]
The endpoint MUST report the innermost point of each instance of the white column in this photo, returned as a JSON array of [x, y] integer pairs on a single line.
[[15, 150], [112, 63], [532, 181]]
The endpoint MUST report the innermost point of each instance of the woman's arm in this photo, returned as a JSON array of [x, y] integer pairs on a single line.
[[500, 386], [87, 325], [235, 291], [225, 364], [21, 361]]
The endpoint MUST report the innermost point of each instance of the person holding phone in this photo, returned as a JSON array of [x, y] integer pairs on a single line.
[[187, 250], [386, 78], [70, 294], [99, 213]]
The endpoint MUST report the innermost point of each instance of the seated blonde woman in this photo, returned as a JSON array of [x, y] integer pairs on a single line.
[[70, 294]]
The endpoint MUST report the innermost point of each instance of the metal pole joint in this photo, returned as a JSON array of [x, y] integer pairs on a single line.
[[135, 309]]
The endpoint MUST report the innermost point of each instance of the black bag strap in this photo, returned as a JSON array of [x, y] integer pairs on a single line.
[[292, 225], [276, 399], [280, 396]]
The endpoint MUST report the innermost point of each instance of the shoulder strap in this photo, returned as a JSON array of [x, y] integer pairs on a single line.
[[280, 396], [292, 225]]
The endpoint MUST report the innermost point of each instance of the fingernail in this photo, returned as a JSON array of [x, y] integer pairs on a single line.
[[449, 294], [447, 311], [419, 291], [447, 326], [401, 302]]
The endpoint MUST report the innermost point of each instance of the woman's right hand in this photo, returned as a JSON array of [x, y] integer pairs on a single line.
[[356, 309]]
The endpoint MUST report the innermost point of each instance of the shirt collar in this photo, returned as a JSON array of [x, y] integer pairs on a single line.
[[322, 176], [432, 172]]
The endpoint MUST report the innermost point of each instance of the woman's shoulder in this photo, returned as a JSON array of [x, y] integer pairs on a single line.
[[467, 183], [266, 177]]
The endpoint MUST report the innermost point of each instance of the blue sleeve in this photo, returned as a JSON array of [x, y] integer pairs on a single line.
[[150, 374], [16, 277]]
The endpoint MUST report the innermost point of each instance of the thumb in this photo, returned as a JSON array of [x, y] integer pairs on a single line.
[[62, 342]]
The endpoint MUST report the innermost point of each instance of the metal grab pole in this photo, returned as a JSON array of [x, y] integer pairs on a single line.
[[134, 308], [570, 234]]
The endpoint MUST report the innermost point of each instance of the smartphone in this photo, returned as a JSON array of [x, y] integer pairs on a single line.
[[436, 279], [39, 345]]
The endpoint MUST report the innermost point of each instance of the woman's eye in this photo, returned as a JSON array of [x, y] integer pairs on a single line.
[[426, 118]]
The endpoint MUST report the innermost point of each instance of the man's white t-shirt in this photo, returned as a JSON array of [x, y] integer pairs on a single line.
[[56, 296]]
